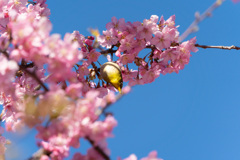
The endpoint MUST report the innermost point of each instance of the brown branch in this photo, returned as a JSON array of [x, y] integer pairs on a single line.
[[218, 47], [33, 3], [98, 149], [151, 47], [95, 69], [41, 151], [37, 155], [24, 68], [34, 76], [198, 18], [4, 52], [108, 51]]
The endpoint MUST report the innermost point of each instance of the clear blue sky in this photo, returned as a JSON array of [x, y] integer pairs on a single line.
[[193, 115]]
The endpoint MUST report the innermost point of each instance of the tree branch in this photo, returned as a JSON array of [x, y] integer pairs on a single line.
[[98, 149], [34, 76], [24, 68], [4, 52], [218, 47], [33, 3], [37, 155], [198, 18], [108, 51]]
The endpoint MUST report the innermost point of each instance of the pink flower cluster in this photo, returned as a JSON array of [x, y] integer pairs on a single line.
[[161, 36], [92, 154], [9, 8], [8, 68], [54, 84], [72, 121]]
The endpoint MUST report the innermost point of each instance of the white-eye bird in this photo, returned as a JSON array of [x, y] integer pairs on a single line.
[[111, 73]]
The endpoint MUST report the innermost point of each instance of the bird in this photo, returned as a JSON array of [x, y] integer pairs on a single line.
[[111, 73]]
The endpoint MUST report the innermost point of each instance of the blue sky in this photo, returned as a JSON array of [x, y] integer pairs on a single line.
[[192, 115]]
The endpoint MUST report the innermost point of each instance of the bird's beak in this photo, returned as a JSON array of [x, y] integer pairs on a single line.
[[120, 90]]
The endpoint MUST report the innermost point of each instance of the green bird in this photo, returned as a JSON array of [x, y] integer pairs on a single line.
[[111, 73]]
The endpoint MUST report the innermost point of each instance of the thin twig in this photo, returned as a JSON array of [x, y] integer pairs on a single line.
[[199, 18], [218, 47], [95, 69]]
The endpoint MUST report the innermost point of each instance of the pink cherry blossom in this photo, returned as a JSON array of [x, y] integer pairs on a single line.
[[116, 24], [131, 157], [154, 18], [78, 156], [160, 40], [101, 130], [108, 38], [8, 69], [83, 71], [128, 75], [152, 156], [74, 90], [127, 44], [147, 29], [2, 145], [79, 37], [44, 157], [4, 41], [93, 56], [127, 58], [171, 54], [151, 74], [57, 146], [170, 22], [136, 81], [40, 9], [93, 154], [63, 55]]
